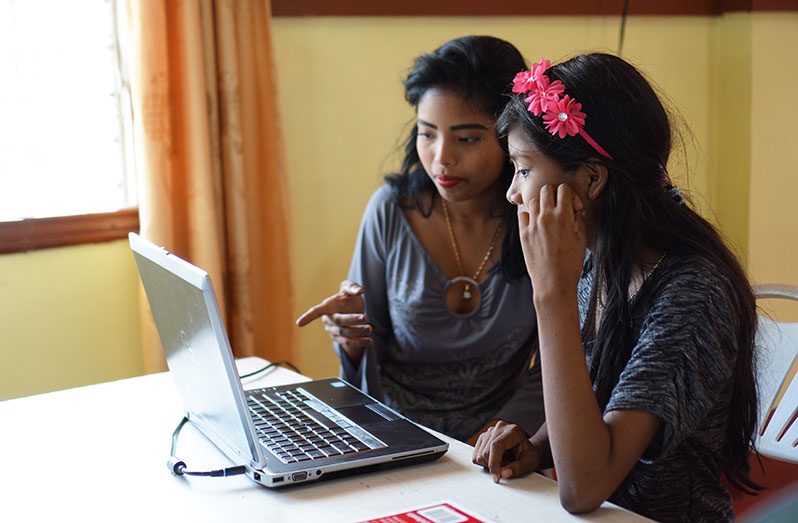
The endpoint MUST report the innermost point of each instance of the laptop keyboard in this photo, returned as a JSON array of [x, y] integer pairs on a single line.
[[297, 427]]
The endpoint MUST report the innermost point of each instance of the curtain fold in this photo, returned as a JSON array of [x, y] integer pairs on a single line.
[[210, 161]]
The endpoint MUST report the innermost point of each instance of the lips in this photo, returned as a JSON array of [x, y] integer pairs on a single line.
[[448, 181]]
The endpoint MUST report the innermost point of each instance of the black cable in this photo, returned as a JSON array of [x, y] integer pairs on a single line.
[[622, 34], [178, 468], [285, 363]]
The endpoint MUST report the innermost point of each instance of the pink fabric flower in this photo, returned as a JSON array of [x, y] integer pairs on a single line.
[[527, 81], [544, 95], [523, 83], [564, 117], [538, 70]]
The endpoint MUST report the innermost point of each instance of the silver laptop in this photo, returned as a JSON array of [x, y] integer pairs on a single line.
[[283, 435]]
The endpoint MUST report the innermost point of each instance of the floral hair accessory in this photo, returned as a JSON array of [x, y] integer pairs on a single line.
[[562, 114]]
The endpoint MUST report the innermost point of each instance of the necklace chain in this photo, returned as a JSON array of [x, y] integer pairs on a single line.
[[467, 291], [645, 277]]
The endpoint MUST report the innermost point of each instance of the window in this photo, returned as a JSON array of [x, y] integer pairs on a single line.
[[65, 112]]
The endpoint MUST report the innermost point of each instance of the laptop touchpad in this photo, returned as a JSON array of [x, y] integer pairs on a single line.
[[365, 414]]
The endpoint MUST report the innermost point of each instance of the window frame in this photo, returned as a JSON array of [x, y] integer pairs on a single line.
[[62, 231]]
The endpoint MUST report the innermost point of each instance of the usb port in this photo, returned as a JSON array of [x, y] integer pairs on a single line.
[[299, 476], [278, 479]]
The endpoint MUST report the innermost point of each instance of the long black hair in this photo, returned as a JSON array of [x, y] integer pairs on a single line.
[[636, 209], [480, 69]]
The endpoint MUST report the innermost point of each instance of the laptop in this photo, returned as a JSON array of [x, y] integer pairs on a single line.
[[283, 435]]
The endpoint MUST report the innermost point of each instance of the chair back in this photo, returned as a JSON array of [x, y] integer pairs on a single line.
[[777, 355]]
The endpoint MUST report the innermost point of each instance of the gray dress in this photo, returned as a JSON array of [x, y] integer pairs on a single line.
[[449, 372]]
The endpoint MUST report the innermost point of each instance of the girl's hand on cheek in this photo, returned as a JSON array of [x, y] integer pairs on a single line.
[[552, 230]]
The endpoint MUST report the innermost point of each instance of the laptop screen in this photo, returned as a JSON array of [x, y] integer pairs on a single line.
[[196, 347]]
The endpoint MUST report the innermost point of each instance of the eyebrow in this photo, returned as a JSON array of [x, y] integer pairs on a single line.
[[459, 127]]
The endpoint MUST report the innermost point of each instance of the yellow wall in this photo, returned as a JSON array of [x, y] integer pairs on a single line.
[[730, 136], [69, 316], [773, 248]]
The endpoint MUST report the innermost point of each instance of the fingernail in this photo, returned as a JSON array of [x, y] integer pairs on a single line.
[[495, 478], [506, 473]]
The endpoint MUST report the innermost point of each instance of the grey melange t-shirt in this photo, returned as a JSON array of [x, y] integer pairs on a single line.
[[681, 371], [450, 373]]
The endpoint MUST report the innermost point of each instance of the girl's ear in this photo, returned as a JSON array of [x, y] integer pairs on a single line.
[[597, 179]]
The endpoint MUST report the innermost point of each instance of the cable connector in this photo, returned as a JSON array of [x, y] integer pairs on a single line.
[[229, 471], [176, 466]]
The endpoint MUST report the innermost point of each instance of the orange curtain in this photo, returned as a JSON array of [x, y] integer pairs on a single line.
[[210, 161]]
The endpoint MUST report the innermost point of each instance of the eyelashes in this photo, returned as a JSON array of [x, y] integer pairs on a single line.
[[465, 140]]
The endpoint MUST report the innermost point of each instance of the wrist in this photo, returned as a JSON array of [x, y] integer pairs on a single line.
[[542, 452], [354, 354], [549, 296]]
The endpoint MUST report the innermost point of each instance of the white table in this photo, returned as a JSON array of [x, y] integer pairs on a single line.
[[98, 453]]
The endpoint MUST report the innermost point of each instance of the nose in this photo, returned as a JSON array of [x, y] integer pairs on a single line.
[[445, 154], [513, 194]]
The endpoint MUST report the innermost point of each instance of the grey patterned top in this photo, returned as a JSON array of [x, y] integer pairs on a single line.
[[680, 370], [450, 373]]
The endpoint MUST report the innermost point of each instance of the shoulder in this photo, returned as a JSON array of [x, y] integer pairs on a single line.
[[382, 222], [692, 285], [382, 198], [382, 205], [691, 310]]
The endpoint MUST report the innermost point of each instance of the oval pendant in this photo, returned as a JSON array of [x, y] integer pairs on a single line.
[[462, 295]]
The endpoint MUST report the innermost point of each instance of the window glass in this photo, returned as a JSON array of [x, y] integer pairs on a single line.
[[63, 110]]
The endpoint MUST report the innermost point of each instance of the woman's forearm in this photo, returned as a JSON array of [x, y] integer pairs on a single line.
[[579, 438]]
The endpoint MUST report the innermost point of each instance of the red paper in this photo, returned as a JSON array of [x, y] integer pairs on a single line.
[[440, 513]]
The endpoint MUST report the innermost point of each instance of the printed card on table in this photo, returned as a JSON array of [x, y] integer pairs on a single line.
[[440, 513]]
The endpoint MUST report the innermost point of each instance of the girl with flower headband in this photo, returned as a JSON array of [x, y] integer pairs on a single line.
[[431, 325], [646, 319]]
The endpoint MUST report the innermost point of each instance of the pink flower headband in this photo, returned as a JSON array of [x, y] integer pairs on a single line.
[[562, 115]]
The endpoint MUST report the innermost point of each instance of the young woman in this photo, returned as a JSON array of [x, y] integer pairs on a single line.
[[428, 321], [646, 341]]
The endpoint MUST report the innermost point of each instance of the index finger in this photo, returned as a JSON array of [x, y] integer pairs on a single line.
[[333, 304], [498, 447], [565, 200], [547, 196]]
